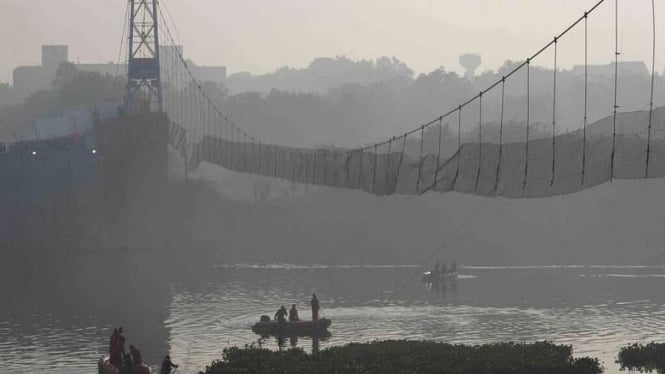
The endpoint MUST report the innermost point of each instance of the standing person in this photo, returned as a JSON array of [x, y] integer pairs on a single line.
[[167, 364], [117, 350], [112, 341], [315, 308], [293, 314], [136, 355], [120, 341]]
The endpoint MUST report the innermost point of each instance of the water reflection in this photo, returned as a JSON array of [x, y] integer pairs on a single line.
[[596, 309], [588, 307]]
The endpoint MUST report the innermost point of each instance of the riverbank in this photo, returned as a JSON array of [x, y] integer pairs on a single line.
[[401, 356]]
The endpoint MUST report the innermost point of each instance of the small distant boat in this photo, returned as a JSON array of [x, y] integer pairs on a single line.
[[295, 328], [429, 277], [104, 366]]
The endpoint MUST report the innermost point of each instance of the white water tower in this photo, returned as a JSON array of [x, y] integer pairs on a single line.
[[470, 61]]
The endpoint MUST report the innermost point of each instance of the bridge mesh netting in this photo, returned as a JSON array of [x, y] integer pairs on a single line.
[[509, 141]]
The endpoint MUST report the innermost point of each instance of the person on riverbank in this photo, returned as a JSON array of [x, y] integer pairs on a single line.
[[293, 314], [117, 348], [120, 341], [112, 341], [281, 314], [136, 355], [315, 308], [167, 364]]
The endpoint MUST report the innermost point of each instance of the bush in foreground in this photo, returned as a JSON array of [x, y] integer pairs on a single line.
[[409, 357], [643, 358]]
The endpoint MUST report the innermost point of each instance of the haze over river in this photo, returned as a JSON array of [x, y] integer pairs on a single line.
[[597, 309]]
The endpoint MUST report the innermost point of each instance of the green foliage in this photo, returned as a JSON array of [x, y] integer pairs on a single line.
[[409, 357], [645, 358]]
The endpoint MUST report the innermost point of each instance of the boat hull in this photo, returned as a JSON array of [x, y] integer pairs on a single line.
[[298, 328], [428, 277], [104, 366]]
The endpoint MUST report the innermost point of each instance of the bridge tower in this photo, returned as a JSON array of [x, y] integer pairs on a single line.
[[144, 86]]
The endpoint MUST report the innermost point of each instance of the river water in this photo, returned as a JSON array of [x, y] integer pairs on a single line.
[[596, 309]]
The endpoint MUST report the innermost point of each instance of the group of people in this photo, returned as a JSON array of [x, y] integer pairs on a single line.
[[443, 269], [120, 359], [281, 313]]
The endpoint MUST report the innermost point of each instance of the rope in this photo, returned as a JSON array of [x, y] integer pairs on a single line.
[[653, 77], [500, 156], [586, 89], [420, 164], [459, 147], [374, 169], [480, 139], [390, 144], [438, 155], [616, 81], [554, 114], [496, 83], [443, 246], [528, 121], [399, 165], [361, 170]]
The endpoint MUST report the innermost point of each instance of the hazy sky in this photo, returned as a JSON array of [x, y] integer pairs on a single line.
[[262, 35]]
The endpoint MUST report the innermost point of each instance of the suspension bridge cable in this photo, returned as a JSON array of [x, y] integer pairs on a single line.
[[500, 155], [388, 162], [376, 160], [653, 77], [480, 139], [443, 246], [196, 82], [554, 114], [459, 147], [438, 155], [122, 40], [399, 164], [528, 120], [586, 89], [616, 82], [508, 75], [420, 163]]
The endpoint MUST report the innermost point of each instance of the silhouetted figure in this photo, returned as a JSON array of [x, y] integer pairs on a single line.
[[281, 313], [112, 341], [453, 267], [121, 341], [167, 364], [117, 348], [315, 308], [136, 355], [293, 314]]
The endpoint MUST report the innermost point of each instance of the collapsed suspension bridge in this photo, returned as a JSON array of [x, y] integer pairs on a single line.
[[617, 144]]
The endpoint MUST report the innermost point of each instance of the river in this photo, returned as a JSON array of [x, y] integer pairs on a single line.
[[596, 309]]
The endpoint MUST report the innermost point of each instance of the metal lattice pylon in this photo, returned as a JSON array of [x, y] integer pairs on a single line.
[[144, 87]]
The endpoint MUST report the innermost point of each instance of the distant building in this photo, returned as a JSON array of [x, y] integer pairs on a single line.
[[6, 95], [30, 79], [625, 68], [170, 54]]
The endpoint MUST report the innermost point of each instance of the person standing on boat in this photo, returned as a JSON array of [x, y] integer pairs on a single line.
[[167, 364], [293, 314], [315, 308], [281, 314]]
